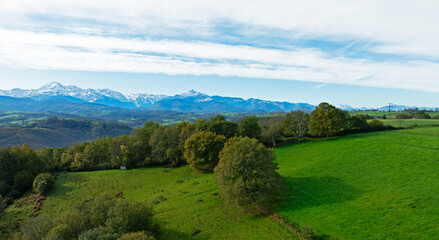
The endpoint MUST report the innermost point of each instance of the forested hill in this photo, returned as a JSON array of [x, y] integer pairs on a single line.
[[57, 132]]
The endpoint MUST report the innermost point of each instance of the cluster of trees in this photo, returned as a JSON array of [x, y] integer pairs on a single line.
[[104, 217], [326, 120], [414, 115]]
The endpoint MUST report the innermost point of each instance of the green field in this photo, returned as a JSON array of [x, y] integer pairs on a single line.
[[410, 122], [380, 185], [391, 114], [192, 209]]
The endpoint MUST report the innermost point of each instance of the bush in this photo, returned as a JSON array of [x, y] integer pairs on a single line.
[[403, 116], [136, 236], [98, 234], [247, 175], [202, 149], [376, 124], [43, 183], [70, 225], [36, 228], [127, 217]]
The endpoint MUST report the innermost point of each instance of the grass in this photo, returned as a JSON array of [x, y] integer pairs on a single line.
[[380, 185], [187, 204], [410, 122], [391, 114]]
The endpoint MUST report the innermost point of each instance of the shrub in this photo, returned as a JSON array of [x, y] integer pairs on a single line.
[[376, 124], [202, 149], [36, 228], [247, 175], [70, 225], [98, 234], [43, 182], [127, 217], [403, 116], [136, 236]]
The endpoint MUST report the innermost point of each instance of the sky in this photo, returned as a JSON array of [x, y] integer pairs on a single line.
[[359, 53]]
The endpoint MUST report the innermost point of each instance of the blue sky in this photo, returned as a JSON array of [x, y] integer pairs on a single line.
[[360, 53]]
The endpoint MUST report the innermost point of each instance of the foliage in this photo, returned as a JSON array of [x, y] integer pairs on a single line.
[[327, 120], [100, 218], [136, 236], [127, 217], [220, 126], [295, 124], [357, 122], [246, 174], [98, 234], [421, 115], [271, 131], [202, 149], [35, 229], [376, 124], [249, 127], [43, 183], [22, 181], [403, 116], [167, 143]]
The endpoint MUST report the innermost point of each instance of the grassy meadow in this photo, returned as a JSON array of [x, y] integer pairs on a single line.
[[410, 122], [380, 185], [187, 204]]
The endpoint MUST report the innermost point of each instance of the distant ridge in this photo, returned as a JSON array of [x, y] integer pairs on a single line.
[[191, 101]]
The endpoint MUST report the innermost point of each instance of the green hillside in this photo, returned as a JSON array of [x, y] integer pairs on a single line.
[[187, 204], [379, 185]]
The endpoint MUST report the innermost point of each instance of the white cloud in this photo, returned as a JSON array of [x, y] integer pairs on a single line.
[[403, 27], [93, 53], [396, 27]]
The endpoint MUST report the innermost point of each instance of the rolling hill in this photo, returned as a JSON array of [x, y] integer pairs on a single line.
[[56, 132]]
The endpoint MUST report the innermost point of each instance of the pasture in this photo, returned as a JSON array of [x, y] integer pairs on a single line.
[[380, 185], [187, 204]]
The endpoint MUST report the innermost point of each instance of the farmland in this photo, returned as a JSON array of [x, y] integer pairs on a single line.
[[366, 186]]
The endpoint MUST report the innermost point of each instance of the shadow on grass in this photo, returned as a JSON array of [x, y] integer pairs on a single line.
[[60, 191], [316, 191]]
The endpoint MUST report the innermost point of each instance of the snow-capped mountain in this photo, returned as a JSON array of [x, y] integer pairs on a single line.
[[191, 101]]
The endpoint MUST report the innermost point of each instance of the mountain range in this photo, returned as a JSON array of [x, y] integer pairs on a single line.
[[191, 101], [72, 99]]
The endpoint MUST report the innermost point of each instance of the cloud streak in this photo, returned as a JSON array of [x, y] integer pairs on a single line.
[[180, 37], [94, 53]]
